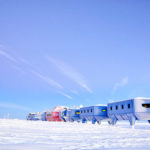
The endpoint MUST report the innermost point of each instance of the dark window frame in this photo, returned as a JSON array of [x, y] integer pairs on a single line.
[[146, 105], [116, 107], [129, 106], [111, 108]]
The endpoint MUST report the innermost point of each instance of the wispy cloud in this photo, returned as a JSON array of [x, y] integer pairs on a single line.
[[47, 79], [13, 106], [8, 56], [74, 91], [120, 84], [66, 95], [25, 61], [11, 58], [70, 73], [18, 65], [18, 69]]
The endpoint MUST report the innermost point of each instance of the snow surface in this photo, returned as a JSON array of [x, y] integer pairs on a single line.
[[38, 135]]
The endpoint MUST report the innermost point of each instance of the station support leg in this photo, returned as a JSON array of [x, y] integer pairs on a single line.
[[132, 121], [93, 121], [110, 122], [114, 121], [99, 122], [72, 120], [83, 120], [78, 121]]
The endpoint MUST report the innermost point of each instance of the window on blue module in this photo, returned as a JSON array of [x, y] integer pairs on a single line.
[[129, 106], [116, 107], [122, 106], [146, 105], [88, 110], [111, 108], [91, 110]]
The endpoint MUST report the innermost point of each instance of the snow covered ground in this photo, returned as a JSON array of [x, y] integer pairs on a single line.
[[38, 135]]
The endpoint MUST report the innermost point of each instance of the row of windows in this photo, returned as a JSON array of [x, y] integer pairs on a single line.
[[88, 111], [122, 107]]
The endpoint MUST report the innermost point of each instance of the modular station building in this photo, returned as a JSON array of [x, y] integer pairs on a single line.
[[132, 110], [93, 113]]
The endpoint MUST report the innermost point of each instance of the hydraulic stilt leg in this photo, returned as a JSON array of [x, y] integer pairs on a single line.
[[114, 121], [132, 121], [110, 122], [84, 120], [93, 121], [99, 122]]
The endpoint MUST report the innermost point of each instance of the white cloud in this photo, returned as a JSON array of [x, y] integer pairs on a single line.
[[47, 79], [120, 84], [25, 61], [6, 55], [66, 95], [18, 69], [74, 91], [70, 73], [52, 83], [13, 106]]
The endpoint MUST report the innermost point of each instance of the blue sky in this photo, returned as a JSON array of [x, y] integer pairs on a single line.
[[72, 53]]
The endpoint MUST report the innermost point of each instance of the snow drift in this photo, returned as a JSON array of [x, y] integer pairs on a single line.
[[38, 135]]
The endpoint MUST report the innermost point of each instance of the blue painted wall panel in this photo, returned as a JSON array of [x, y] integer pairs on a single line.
[[133, 109]]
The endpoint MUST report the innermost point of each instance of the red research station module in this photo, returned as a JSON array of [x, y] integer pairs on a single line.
[[53, 115]]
